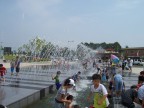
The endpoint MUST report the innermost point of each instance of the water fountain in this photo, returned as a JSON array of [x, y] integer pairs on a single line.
[[75, 66], [34, 81]]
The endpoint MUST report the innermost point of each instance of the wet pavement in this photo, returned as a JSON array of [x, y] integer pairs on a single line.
[[9, 95], [82, 93], [32, 82]]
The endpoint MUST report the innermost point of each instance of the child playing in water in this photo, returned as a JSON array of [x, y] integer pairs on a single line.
[[12, 66], [70, 98], [62, 93], [56, 78], [104, 75], [99, 91], [76, 77], [2, 72], [118, 83]]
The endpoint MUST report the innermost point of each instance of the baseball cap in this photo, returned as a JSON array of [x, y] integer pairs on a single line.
[[72, 82]]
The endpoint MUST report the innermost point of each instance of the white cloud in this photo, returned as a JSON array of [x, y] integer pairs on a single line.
[[36, 7], [75, 19], [127, 4]]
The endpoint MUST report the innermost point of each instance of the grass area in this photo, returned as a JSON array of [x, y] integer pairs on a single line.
[[9, 57]]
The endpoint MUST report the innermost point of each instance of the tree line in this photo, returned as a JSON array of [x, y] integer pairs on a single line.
[[115, 46]]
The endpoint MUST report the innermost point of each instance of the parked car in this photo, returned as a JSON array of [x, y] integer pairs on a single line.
[[138, 62]]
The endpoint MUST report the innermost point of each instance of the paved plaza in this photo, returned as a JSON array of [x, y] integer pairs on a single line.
[[34, 83]]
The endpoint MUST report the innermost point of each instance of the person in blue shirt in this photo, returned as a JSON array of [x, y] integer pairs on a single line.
[[118, 82]]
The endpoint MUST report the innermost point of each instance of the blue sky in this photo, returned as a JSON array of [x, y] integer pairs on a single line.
[[60, 21]]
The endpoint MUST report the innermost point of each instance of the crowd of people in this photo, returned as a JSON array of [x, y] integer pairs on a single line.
[[103, 73], [114, 77], [14, 65]]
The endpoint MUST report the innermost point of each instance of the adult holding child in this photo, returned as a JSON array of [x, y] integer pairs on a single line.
[[62, 93]]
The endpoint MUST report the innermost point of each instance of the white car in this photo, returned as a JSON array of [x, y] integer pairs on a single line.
[[138, 62]]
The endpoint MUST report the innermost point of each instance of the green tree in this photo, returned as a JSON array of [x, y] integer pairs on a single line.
[[126, 46], [117, 46], [34, 47]]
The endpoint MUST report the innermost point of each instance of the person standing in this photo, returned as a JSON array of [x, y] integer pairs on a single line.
[[123, 67], [12, 65], [98, 67], [17, 65], [99, 91], [94, 64], [57, 81], [2, 72], [130, 64]]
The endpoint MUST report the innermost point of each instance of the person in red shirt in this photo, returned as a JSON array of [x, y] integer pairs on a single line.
[[2, 72]]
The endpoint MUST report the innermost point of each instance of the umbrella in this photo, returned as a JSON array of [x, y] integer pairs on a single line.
[[114, 58]]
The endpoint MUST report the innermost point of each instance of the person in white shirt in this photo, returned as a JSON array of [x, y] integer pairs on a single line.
[[130, 64], [100, 93]]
